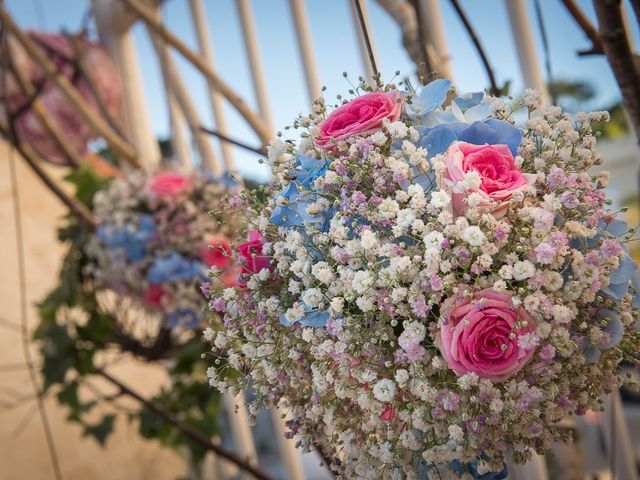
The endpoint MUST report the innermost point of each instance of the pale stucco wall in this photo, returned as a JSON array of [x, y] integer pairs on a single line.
[[25, 457]]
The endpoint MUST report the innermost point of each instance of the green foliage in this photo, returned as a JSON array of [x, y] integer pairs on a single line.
[[74, 331]]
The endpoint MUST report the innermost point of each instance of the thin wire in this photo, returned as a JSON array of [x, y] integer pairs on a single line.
[[367, 40], [22, 283], [547, 51]]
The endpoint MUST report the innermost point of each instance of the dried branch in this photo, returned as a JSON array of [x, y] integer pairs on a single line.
[[41, 112], [427, 68], [99, 125], [150, 19], [186, 429], [583, 22], [621, 59], [478, 46], [237, 143], [82, 213]]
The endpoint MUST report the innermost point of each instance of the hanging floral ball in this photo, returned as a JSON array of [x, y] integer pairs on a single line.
[[158, 236], [86, 65], [428, 287]]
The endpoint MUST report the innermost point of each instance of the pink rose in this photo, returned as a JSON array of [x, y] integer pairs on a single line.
[[155, 295], [251, 253], [477, 336], [362, 115], [500, 178], [217, 253], [169, 184], [74, 130]]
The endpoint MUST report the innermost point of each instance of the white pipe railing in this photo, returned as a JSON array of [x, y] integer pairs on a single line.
[[303, 34], [198, 15]]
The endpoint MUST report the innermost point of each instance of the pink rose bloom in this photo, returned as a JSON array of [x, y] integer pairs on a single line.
[[154, 295], [476, 336], [360, 116], [251, 253], [217, 253], [169, 184], [500, 178], [74, 130]]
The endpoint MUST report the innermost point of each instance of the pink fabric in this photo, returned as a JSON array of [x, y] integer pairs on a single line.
[[476, 336], [500, 178], [169, 185], [362, 115], [74, 129]]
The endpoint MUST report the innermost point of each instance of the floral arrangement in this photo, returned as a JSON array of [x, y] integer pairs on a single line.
[[155, 241], [85, 64], [427, 288]]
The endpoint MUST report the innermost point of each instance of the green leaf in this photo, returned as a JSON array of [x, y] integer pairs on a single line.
[[87, 183], [101, 430]]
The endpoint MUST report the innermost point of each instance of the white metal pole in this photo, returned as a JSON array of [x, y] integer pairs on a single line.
[[172, 76], [434, 32], [618, 440], [179, 142], [364, 53], [288, 450], [253, 52], [301, 22], [240, 429], [199, 18], [117, 38], [523, 36]]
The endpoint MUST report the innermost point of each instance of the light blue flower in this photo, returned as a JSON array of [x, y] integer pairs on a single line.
[[132, 238], [491, 131], [185, 318], [467, 108], [172, 268], [312, 318], [430, 97], [293, 202], [472, 468], [615, 330]]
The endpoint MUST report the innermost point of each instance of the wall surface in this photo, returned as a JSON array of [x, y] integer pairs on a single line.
[[23, 451]]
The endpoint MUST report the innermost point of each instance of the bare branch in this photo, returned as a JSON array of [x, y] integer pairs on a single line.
[[589, 30], [476, 43], [187, 430], [621, 59], [99, 125]]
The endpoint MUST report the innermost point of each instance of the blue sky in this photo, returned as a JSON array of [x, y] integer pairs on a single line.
[[336, 50]]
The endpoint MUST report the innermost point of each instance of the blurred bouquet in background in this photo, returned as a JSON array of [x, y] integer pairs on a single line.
[[157, 238], [85, 64], [427, 288]]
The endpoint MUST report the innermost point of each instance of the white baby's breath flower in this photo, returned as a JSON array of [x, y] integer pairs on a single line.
[[385, 390], [433, 240], [474, 236], [379, 139], [362, 281], [523, 270], [440, 199]]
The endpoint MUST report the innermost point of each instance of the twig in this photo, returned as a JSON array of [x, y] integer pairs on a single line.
[[237, 143], [24, 315], [589, 30], [150, 19], [620, 57], [547, 52], [41, 112], [82, 213], [98, 124], [476, 42], [367, 39], [427, 68], [187, 429]]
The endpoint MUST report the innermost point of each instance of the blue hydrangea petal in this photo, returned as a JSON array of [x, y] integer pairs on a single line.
[[625, 271], [614, 327], [592, 354], [316, 319], [468, 100], [437, 139], [287, 215], [185, 318], [430, 97], [478, 113]]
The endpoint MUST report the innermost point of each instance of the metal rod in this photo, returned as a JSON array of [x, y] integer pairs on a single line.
[[233, 141], [367, 39]]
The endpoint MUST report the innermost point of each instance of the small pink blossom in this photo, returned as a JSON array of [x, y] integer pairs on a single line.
[[169, 185]]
